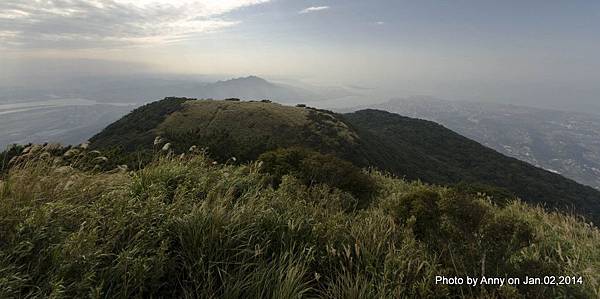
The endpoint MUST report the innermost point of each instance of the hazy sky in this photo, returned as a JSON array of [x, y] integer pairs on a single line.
[[513, 51]]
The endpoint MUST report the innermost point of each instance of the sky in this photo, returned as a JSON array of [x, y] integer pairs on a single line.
[[541, 53]]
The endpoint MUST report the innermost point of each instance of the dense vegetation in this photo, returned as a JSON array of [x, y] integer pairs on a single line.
[[314, 168], [406, 147], [8, 155], [185, 226]]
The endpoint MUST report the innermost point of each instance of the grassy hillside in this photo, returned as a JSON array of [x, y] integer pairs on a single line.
[[243, 130], [406, 147], [187, 227], [246, 130]]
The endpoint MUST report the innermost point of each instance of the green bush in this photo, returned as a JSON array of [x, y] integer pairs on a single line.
[[470, 234], [7, 155], [315, 168], [496, 194], [421, 209]]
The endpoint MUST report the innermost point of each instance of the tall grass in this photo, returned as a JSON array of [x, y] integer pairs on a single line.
[[184, 227]]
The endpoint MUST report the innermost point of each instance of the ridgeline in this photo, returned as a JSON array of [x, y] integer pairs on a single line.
[[405, 147]]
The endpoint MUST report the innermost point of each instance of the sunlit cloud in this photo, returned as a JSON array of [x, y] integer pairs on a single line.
[[110, 23], [314, 9]]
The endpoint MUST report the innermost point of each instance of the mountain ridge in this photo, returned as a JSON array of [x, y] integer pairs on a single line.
[[415, 149], [558, 141]]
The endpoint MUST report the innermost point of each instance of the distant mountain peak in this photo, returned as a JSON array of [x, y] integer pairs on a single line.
[[249, 79], [252, 77]]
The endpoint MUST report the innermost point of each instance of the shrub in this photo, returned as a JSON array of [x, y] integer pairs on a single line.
[[314, 168], [497, 194], [420, 208], [7, 155], [471, 236]]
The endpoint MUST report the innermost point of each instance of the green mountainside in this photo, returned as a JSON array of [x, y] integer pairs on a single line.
[[428, 151], [405, 147], [228, 128]]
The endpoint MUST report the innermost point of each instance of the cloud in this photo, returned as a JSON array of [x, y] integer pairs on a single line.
[[313, 9], [110, 23]]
